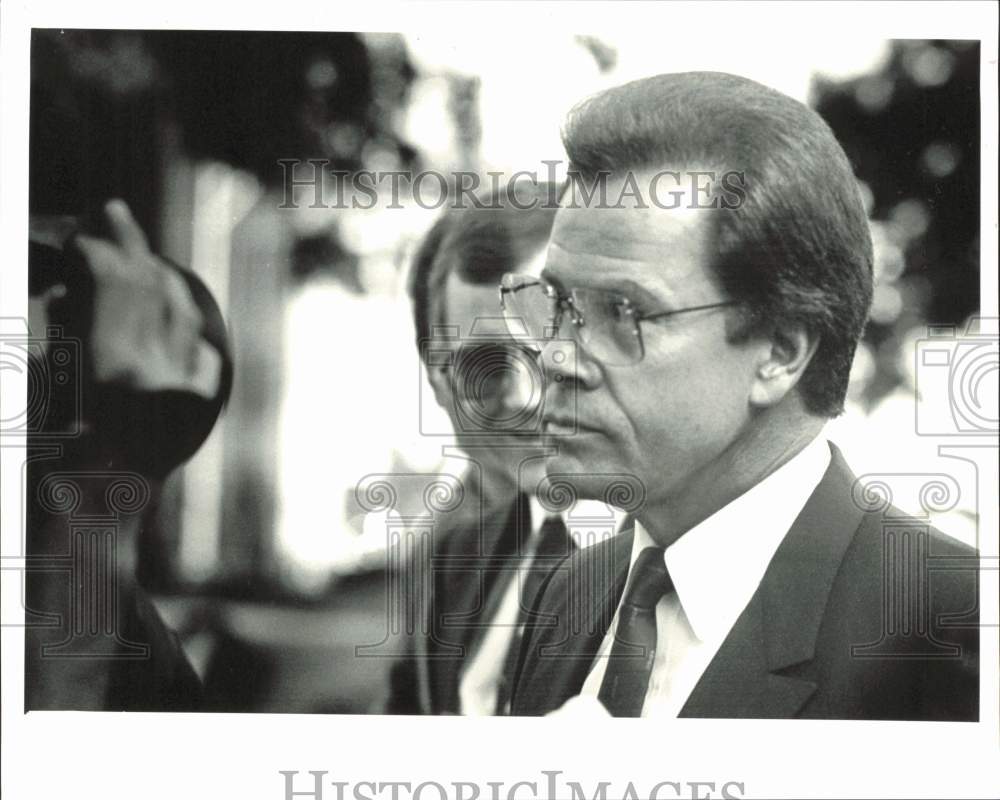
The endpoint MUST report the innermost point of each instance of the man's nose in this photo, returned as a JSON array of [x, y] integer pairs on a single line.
[[563, 358], [558, 360]]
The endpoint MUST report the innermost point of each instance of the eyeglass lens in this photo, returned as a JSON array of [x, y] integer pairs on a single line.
[[601, 321]]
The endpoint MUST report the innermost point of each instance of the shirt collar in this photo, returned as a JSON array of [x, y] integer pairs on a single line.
[[588, 513], [717, 565]]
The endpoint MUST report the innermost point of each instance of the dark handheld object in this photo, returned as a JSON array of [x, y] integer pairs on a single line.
[[151, 432]]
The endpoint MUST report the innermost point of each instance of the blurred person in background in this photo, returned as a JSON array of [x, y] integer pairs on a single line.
[[159, 354], [489, 557], [144, 389], [713, 344]]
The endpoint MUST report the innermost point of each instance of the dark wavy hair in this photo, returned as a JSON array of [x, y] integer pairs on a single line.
[[798, 249]]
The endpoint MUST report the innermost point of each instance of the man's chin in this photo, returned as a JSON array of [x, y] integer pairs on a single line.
[[565, 470], [572, 456], [593, 478]]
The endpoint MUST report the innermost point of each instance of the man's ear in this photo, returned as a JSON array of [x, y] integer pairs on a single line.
[[438, 379], [783, 359]]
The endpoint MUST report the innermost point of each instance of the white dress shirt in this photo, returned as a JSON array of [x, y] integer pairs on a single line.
[[481, 677], [716, 567]]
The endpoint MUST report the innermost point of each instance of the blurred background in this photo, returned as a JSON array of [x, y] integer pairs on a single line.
[[259, 553]]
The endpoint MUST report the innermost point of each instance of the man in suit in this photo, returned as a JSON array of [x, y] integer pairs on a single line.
[[713, 294], [490, 554]]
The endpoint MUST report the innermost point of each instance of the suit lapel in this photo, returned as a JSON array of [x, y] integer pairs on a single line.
[[466, 596], [750, 675], [572, 616]]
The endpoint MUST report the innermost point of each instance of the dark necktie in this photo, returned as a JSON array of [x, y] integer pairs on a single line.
[[623, 690], [554, 544]]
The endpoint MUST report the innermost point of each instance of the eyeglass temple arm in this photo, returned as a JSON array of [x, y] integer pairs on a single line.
[[505, 290], [686, 310]]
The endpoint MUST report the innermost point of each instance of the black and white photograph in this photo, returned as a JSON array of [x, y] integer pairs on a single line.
[[500, 400]]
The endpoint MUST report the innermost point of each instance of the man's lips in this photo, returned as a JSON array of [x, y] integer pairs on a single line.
[[564, 426]]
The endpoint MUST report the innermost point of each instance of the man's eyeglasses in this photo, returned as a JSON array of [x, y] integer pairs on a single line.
[[605, 323]]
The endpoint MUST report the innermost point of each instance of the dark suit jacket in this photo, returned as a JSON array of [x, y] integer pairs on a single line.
[[471, 565], [860, 615]]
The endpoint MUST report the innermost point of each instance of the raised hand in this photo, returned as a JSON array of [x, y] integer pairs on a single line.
[[147, 328]]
